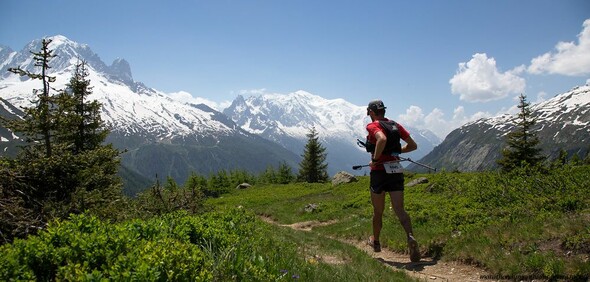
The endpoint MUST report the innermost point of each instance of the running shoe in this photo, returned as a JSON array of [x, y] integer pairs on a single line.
[[375, 244], [414, 251]]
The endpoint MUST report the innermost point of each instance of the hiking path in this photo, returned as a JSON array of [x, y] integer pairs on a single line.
[[428, 269]]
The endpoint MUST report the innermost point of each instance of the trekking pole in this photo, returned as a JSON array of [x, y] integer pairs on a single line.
[[364, 145], [417, 163], [357, 167]]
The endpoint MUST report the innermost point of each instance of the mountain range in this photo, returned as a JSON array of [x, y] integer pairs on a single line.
[[163, 136]]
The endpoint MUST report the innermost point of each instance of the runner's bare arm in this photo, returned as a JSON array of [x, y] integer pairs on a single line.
[[410, 145], [380, 145]]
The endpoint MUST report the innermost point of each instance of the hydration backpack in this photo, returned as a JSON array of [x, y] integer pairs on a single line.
[[393, 145]]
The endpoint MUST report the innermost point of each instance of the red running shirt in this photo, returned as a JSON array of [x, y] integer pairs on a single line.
[[373, 128]]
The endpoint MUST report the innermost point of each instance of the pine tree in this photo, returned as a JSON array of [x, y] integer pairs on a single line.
[[560, 160], [522, 143], [80, 126], [575, 160], [269, 175], [217, 184], [38, 125], [313, 167], [284, 175]]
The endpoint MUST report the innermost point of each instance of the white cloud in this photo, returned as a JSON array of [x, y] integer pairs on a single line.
[[541, 97], [436, 121], [186, 97], [480, 81], [412, 116], [253, 91], [181, 96], [568, 58]]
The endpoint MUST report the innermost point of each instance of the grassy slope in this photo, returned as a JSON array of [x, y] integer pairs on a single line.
[[512, 225]]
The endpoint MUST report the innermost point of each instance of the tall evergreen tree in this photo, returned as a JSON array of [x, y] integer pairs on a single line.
[[38, 125], [82, 134], [313, 167], [522, 143], [80, 124]]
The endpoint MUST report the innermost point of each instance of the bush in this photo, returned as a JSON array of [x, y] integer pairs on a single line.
[[174, 247]]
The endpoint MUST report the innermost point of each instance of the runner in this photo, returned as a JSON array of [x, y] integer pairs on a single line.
[[383, 142]]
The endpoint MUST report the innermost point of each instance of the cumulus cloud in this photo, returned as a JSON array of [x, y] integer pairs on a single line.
[[479, 80], [541, 97], [568, 58], [413, 116], [436, 121], [186, 97], [181, 96]]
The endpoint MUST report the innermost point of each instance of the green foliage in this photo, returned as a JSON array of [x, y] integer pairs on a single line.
[[284, 175], [160, 200], [18, 211], [313, 167], [175, 247], [218, 184], [268, 176], [281, 175], [64, 168], [239, 176], [522, 143]]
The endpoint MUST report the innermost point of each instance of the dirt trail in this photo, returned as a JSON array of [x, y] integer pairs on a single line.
[[427, 269]]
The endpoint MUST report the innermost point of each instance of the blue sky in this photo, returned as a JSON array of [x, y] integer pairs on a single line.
[[436, 64]]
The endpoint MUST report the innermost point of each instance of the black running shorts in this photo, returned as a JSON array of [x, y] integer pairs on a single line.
[[382, 181]]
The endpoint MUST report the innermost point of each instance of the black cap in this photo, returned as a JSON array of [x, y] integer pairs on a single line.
[[376, 105]]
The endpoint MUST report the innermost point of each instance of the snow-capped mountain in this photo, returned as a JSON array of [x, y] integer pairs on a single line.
[[163, 136], [562, 122], [294, 114], [287, 119], [129, 107]]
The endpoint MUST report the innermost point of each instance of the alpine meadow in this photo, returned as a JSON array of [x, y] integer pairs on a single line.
[[103, 178]]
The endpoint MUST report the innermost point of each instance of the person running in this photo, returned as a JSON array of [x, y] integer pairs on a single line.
[[383, 142]]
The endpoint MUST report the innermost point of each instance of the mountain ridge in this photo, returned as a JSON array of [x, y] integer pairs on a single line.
[[562, 123]]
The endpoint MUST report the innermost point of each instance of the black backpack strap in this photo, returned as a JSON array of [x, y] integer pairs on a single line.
[[393, 145]]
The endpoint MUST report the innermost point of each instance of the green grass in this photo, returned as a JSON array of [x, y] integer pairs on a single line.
[[514, 225], [523, 224]]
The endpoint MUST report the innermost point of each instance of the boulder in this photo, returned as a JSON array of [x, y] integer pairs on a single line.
[[419, 180], [343, 177], [243, 186], [310, 208]]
